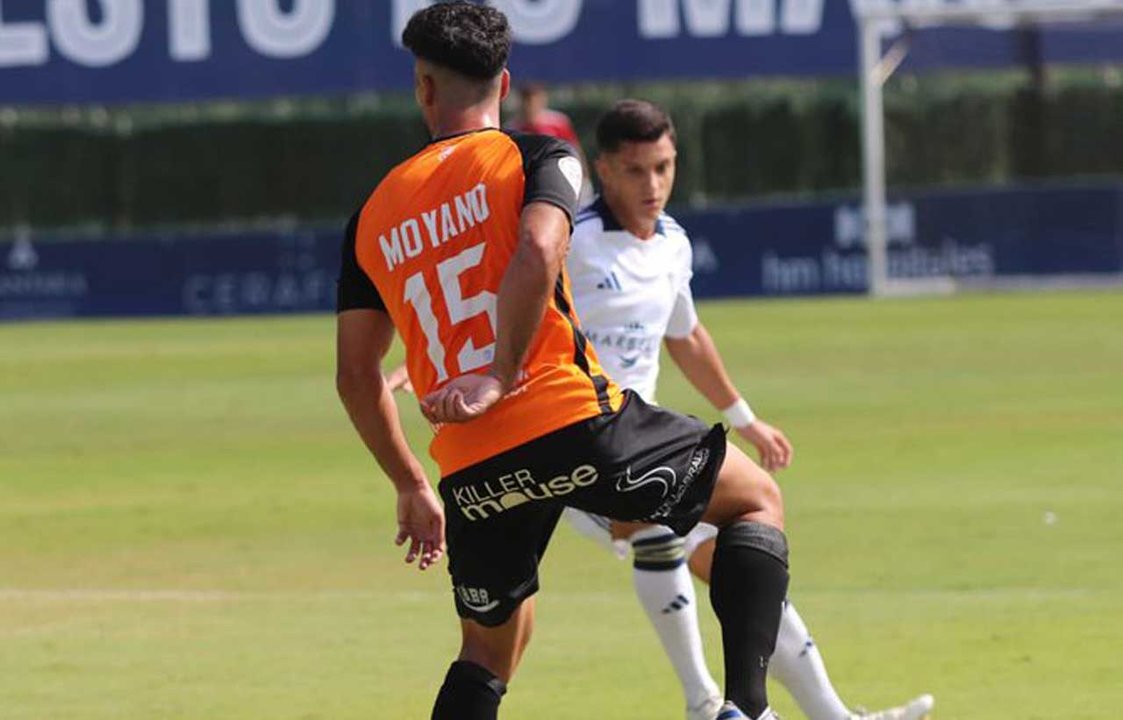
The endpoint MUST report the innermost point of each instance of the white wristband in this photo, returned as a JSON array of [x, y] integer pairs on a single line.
[[739, 414]]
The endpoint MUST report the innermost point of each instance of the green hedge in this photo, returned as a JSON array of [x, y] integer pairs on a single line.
[[307, 166]]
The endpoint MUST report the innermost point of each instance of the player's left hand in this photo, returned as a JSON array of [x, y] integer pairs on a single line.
[[421, 522], [463, 399], [774, 448]]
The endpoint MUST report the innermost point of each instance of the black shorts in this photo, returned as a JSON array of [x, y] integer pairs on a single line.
[[642, 463]]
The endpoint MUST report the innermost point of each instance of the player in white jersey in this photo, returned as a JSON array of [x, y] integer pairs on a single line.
[[629, 267]]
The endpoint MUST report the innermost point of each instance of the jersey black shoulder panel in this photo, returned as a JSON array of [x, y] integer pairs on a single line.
[[354, 290]]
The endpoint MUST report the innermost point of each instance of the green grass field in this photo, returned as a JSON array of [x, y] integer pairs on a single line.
[[190, 529]]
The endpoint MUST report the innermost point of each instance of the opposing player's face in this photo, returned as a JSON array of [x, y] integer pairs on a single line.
[[637, 180]]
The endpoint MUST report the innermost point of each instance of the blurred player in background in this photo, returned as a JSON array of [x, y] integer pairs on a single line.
[[630, 270], [535, 116], [461, 249]]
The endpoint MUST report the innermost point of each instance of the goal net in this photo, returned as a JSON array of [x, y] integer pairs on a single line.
[[1017, 107]]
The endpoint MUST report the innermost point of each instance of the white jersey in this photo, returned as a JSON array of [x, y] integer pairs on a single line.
[[630, 293]]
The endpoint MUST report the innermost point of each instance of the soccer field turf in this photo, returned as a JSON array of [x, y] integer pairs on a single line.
[[189, 528]]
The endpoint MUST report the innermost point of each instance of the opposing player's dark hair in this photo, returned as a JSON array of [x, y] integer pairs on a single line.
[[632, 121], [473, 40]]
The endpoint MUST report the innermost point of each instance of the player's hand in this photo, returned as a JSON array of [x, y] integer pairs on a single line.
[[398, 379], [463, 399], [421, 521], [774, 448]]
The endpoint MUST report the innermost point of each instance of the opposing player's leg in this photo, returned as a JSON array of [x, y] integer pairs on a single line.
[[666, 592], [749, 576], [798, 665], [670, 469]]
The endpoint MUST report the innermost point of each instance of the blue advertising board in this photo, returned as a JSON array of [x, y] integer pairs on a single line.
[[109, 51], [813, 248], [796, 249]]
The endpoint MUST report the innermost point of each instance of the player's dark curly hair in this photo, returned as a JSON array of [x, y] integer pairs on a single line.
[[632, 121], [473, 40]]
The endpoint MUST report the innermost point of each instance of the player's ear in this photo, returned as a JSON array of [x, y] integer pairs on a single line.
[[602, 167], [424, 85], [504, 84]]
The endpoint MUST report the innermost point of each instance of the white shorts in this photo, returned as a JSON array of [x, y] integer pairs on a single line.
[[598, 529]]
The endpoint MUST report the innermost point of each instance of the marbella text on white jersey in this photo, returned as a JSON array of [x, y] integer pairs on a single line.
[[630, 293]]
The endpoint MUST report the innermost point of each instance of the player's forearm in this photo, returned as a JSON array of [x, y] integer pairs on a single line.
[[698, 358], [372, 410], [526, 288]]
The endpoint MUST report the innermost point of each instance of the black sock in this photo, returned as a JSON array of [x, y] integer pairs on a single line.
[[748, 584], [470, 692]]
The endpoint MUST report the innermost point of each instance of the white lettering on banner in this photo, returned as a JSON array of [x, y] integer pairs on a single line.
[[82, 41], [850, 224], [841, 268], [533, 22], [756, 17], [23, 255], [23, 43], [275, 33], [541, 22], [35, 286], [287, 29], [28, 283], [801, 17], [660, 19], [890, 28], [189, 30], [230, 293]]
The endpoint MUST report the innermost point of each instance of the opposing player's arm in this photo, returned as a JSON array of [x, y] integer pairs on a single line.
[[364, 333], [698, 358], [696, 355]]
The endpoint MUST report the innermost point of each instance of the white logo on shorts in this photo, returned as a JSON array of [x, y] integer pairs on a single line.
[[663, 475], [476, 599]]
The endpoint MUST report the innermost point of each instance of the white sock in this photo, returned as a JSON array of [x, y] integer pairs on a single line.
[[799, 667], [666, 591]]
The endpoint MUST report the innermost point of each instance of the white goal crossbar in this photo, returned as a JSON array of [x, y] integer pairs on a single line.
[[877, 67]]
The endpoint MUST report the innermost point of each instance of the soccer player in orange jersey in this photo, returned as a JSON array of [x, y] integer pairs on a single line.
[[460, 249]]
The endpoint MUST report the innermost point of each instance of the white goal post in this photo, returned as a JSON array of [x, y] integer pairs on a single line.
[[876, 67]]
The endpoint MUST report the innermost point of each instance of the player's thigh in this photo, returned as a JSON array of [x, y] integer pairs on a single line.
[[493, 548], [499, 648], [744, 491], [652, 466]]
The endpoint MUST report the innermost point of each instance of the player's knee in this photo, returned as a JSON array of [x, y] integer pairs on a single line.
[[657, 548], [745, 493], [771, 502], [496, 650], [500, 661], [756, 536]]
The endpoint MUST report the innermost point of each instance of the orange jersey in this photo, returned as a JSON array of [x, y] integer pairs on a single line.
[[434, 241]]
